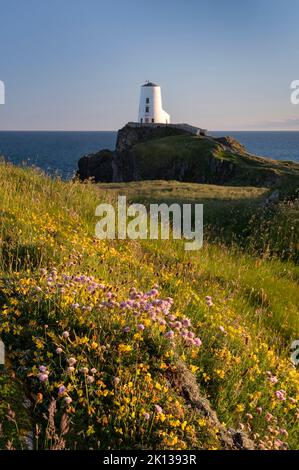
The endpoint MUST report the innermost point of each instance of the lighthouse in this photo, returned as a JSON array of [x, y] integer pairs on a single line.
[[150, 105]]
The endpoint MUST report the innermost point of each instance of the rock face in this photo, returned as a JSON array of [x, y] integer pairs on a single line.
[[131, 135], [170, 153]]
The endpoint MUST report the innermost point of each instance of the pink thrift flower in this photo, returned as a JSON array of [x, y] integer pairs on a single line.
[[116, 380], [72, 361], [280, 394], [158, 409], [197, 342], [169, 334], [43, 377], [61, 390]]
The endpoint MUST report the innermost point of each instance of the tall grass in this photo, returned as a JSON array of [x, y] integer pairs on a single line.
[[243, 365]]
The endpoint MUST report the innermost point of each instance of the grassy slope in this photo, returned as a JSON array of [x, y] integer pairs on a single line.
[[48, 224], [196, 152]]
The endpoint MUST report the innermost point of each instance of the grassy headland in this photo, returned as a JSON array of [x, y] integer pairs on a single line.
[[84, 322]]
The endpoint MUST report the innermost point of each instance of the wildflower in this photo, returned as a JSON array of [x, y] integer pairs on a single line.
[[70, 370], [240, 408], [84, 370], [116, 380], [278, 443], [280, 394], [43, 377], [61, 390], [122, 348], [89, 379], [154, 292], [169, 334], [39, 397], [146, 416], [272, 379], [58, 350], [126, 329], [221, 328], [42, 368], [93, 370], [178, 325], [186, 322], [140, 327], [75, 305], [68, 400], [65, 334], [259, 410], [72, 361], [268, 417], [197, 342], [158, 409]]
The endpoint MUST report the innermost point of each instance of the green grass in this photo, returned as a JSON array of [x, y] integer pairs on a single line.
[[47, 223], [204, 159]]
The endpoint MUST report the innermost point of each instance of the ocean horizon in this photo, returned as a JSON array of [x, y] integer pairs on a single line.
[[57, 152]]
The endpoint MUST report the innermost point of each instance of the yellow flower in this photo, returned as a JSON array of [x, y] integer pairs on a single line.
[[90, 431], [123, 348], [240, 408], [220, 373]]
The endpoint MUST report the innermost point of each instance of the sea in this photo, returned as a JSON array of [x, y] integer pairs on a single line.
[[57, 152]]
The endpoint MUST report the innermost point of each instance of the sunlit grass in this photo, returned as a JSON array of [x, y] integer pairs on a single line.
[[47, 231]]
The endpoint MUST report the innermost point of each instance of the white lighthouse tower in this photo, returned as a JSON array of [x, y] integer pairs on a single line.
[[150, 105]]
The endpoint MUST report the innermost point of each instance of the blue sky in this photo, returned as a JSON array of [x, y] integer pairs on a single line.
[[78, 64]]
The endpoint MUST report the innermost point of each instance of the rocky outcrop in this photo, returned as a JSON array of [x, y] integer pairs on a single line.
[[173, 153], [185, 384], [129, 135]]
